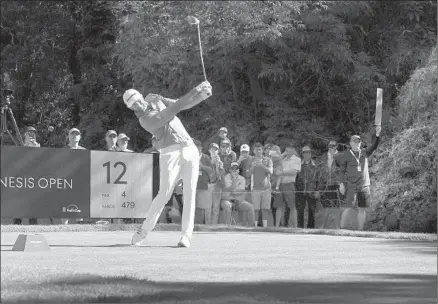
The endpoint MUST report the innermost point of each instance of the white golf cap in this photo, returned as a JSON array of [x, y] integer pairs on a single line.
[[244, 147], [122, 136], [129, 97], [74, 130]]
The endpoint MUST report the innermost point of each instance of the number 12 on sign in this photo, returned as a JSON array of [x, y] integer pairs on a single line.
[[118, 180]]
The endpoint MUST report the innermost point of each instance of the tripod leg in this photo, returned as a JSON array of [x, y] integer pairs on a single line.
[[17, 130], [12, 137], [3, 127]]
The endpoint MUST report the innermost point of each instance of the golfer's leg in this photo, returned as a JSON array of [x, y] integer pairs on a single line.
[[349, 198], [226, 209], [189, 174], [169, 174]]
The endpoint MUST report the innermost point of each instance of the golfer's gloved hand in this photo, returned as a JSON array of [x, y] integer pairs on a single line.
[[204, 89]]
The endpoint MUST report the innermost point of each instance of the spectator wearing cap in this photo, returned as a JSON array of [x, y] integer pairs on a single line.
[[244, 162], [30, 138], [29, 141], [221, 134], [274, 153], [307, 184], [111, 140], [122, 143], [233, 196], [244, 153], [287, 172], [227, 155], [329, 177], [261, 169], [74, 137], [216, 181], [203, 195], [354, 177]]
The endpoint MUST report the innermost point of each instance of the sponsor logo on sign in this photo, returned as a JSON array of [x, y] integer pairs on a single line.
[[71, 208], [108, 206]]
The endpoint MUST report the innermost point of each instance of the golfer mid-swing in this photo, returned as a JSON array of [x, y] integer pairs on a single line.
[[179, 157]]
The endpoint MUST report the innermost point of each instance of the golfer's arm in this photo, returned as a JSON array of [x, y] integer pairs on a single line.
[[153, 120], [168, 101]]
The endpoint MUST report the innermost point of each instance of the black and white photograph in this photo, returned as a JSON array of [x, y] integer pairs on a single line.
[[216, 152]]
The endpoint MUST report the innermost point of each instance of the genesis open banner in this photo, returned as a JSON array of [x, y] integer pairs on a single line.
[[64, 183]]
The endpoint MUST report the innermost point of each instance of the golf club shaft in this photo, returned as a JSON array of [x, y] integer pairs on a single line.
[[200, 51]]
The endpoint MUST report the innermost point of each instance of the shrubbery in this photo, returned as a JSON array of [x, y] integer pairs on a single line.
[[405, 170]]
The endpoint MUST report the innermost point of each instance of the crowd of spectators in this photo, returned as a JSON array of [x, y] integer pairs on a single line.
[[253, 188], [263, 183]]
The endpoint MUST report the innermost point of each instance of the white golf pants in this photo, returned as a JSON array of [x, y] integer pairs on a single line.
[[176, 162]]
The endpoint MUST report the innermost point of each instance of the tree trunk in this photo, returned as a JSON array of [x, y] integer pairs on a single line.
[[233, 85]]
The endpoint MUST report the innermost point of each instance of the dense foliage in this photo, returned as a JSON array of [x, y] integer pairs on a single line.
[[300, 71]]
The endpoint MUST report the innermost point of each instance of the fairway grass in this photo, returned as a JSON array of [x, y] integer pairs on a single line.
[[219, 228], [220, 267]]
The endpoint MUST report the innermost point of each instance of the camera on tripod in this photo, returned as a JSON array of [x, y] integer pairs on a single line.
[[7, 97]]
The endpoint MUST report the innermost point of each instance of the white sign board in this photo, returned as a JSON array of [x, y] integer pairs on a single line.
[[120, 184]]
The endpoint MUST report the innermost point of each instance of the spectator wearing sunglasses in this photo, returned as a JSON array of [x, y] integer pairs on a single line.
[[111, 140]]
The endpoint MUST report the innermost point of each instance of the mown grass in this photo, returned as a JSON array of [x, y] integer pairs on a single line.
[[219, 268], [219, 228]]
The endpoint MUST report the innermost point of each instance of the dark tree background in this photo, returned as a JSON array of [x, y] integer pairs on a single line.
[[282, 71]]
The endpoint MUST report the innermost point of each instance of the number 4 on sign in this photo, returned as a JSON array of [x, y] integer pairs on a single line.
[[124, 194]]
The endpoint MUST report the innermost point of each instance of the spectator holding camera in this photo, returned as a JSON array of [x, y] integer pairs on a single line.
[[244, 162], [233, 196], [216, 180], [227, 155], [261, 169], [221, 135], [30, 138]]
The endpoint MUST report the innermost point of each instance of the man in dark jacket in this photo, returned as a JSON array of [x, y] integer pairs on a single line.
[[329, 177], [307, 185], [355, 179]]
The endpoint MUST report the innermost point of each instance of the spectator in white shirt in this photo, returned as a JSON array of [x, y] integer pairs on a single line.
[[288, 171]]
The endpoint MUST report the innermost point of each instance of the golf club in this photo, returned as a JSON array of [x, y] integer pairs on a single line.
[[195, 21]]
